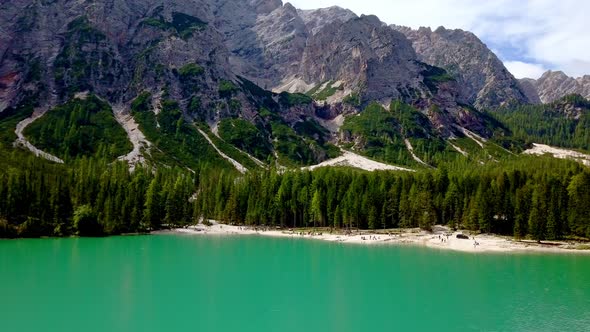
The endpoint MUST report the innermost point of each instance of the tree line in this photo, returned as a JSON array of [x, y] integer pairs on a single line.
[[564, 123], [532, 197], [90, 196]]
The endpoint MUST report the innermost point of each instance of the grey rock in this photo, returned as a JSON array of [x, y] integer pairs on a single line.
[[316, 19], [529, 88], [483, 79], [553, 85], [122, 52], [265, 38], [365, 55]]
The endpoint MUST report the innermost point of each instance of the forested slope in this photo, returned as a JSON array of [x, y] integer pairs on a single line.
[[564, 123], [536, 197]]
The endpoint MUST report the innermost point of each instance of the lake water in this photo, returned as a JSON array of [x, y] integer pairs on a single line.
[[191, 283]]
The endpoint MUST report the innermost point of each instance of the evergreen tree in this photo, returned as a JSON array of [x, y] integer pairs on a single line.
[[579, 207], [86, 222], [152, 213], [538, 214]]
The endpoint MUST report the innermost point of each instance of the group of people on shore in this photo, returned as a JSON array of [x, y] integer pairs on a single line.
[[370, 238], [310, 234], [444, 238]]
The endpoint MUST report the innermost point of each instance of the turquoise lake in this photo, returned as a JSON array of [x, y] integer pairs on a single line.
[[194, 283]]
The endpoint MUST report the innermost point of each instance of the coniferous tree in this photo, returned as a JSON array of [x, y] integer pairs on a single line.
[[538, 214], [152, 213], [579, 207], [86, 222]]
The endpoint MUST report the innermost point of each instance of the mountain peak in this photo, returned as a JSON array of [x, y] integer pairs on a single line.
[[553, 85], [371, 19], [266, 6], [484, 80], [289, 6], [440, 29], [316, 19], [553, 73]]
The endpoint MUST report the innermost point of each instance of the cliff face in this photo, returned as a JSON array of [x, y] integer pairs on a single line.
[[112, 48], [316, 19], [265, 38], [274, 45], [363, 54], [554, 85], [530, 90], [482, 77], [284, 49]]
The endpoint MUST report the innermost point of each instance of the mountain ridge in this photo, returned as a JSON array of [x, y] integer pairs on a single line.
[[197, 75], [484, 79], [553, 85]]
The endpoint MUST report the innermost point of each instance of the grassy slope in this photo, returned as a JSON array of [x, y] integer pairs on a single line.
[[176, 142], [8, 121], [229, 149], [80, 128]]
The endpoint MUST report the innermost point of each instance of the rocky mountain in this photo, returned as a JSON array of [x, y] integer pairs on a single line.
[[482, 77], [267, 39], [530, 90], [242, 83], [273, 45], [316, 19], [284, 49], [554, 85], [362, 54], [113, 48], [141, 56], [333, 55]]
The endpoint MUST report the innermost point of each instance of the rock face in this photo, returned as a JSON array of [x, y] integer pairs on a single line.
[[274, 45], [113, 48], [528, 87], [284, 49], [265, 38], [554, 85], [482, 77], [362, 53], [316, 19], [120, 50]]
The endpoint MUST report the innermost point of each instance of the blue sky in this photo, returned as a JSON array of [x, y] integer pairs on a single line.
[[530, 36]]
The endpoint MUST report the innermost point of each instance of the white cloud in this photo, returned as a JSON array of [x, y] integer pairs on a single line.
[[522, 69], [541, 33]]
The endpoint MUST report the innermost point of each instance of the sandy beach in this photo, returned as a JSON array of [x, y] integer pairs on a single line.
[[441, 238]]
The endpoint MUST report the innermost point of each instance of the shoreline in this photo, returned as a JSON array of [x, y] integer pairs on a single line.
[[440, 238]]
